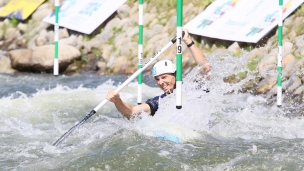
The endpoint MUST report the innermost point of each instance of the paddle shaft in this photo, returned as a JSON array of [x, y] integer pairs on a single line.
[[117, 90]]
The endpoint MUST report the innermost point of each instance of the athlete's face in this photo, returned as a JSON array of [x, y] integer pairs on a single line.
[[166, 82]]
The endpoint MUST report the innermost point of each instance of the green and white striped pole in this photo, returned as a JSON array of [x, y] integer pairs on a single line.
[[140, 50], [179, 54], [280, 53], [56, 37]]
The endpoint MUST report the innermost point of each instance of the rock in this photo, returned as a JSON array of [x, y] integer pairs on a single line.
[[32, 42], [134, 9], [36, 28], [125, 24], [10, 36], [104, 36], [107, 49], [299, 42], [121, 65], [111, 60], [41, 58], [293, 83], [234, 48], [297, 22], [299, 90], [5, 65], [268, 64], [87, 46], [113, 23], [20, 59], [79, 42], [288, 21], [72, 40], [123, 11], [256, 54], [266, 84], [148, 18], [288, 64], [101, 67], [63, 33], [22, 27], [41, 12], [2, 2], [42, 38], [287, 48], [188, 10], [157, 29]]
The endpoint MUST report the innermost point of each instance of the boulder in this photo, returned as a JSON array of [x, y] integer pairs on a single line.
[[41, 58], [5, 65]]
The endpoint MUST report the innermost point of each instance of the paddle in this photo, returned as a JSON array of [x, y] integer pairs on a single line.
[[117, 90]]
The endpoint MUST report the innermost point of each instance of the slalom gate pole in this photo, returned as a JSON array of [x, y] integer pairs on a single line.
[[280, 53], [56, 37], [140, 50], [117, 90], [179, 54]]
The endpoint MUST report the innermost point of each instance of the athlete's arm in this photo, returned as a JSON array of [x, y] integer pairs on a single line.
[[197, 55], [124, 108]]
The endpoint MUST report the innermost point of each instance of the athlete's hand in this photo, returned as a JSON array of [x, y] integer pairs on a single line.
[[187, 39], [113, 96]]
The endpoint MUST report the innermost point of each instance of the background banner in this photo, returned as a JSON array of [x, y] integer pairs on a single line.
[[84, 15], [240, 20], [21, 9]]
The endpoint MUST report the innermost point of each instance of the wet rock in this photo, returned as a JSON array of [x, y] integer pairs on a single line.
[[266, 84]]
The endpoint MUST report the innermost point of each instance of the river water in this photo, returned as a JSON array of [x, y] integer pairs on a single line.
[[216, 130]]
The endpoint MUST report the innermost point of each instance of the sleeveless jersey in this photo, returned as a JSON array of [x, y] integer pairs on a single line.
[[154, 103]]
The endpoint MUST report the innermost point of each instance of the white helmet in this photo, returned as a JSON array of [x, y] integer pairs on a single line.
[[162, 67]]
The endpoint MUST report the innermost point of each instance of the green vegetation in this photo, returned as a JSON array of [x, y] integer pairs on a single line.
[[299, 56], [84, 58], [300, 30], [116, 30], [249, 47], [242, 75], [300, 11], [111, 42], [145, 53], [88, 37], [235, 78], [163, 19], [14, 22], [252, 64], [96, 52]]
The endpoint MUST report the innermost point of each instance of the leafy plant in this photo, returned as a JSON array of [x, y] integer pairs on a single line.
[[242, 75], [14, 22], [85, 58], [96, 52], [88, 36], [298, 56], [252, 64]]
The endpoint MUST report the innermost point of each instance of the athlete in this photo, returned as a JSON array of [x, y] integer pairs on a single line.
[[164, 75]]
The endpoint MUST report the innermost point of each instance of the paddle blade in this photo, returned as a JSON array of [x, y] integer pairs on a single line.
[[73, 128]]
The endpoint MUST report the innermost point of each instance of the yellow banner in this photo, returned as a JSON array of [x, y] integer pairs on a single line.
[[21, 9]]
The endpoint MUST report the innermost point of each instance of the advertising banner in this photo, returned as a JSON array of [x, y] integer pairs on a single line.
[[240, 20], [21, 9], [84, 15]]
